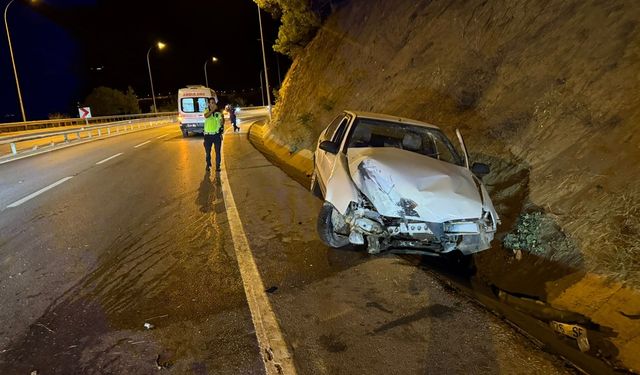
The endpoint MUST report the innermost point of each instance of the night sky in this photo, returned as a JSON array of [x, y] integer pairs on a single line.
[[64, 48]]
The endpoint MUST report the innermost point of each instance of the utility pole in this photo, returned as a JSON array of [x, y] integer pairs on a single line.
[[13, 62], [264, 61], [261, 89]]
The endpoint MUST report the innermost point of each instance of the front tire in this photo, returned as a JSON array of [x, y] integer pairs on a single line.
[[185, 133], [326, 219]]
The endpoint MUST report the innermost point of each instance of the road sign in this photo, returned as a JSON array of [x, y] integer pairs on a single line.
[[85, 112]]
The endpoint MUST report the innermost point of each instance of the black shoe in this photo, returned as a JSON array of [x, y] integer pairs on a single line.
[[208, 168], [218, 169]]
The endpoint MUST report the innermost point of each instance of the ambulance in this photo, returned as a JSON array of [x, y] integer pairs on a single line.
[[192, 102]]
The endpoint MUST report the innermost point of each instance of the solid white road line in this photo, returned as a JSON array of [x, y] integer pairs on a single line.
[[162, 136], [44, 189], [141, 144], [109, 158], [273, 349]]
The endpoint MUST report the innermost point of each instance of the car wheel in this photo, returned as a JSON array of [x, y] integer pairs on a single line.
[[315, 187], [327, 219], [185, 133]]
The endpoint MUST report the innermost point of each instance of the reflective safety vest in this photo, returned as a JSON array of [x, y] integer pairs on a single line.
[[212, 124]]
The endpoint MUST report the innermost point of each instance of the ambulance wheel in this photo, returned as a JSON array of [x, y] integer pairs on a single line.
[[185, 133]]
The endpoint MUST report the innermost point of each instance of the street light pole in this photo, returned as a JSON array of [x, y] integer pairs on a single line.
[[153, 94], [13, 62], [206, 78], [264, 61], [261, 88]]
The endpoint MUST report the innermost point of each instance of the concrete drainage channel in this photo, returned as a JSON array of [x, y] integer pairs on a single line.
[[21, 146], [544, 325]]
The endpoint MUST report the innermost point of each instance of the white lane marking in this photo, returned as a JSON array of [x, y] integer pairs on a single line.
[[162, 136], [141, 144], [273, 349], [44, 189], [109, 158]]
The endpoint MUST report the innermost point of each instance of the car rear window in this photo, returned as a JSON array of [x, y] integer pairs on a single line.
[[193, 105]]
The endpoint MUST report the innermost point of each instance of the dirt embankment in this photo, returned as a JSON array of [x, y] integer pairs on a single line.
[[546, 92]]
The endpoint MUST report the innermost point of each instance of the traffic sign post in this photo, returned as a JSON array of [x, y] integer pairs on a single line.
[[85, 113]]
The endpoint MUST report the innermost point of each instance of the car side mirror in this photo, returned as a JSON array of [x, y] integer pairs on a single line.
[[480, 169], [330, 147]]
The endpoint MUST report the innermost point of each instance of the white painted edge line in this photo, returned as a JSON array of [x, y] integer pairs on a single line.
[[162, 136], [109, 158], [141, 144], [33, 195], [273, 348]]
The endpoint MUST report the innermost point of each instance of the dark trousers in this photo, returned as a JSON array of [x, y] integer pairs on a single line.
[[216, 141]]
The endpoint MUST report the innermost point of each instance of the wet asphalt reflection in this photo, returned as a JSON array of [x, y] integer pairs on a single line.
[[150, 245]]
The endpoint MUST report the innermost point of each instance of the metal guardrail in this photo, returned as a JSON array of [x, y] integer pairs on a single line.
[[18, 126], [81, 134]]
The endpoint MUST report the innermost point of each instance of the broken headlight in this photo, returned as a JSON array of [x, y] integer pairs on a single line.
[[487, 222]]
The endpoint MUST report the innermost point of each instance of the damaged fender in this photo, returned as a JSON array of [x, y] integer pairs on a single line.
[[340, 190]]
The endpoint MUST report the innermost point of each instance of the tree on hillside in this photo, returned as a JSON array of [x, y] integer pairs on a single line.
[[105, 101], [299, 24]]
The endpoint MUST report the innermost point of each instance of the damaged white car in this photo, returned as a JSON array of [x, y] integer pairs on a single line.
[[395, 184]]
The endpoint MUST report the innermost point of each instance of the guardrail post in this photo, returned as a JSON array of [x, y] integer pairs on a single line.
[[13, 148], [66, 138], [99, 132], [78, 135], [108, 131]]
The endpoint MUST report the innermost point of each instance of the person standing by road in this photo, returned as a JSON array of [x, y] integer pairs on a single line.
[[213, 129], [232, 117]]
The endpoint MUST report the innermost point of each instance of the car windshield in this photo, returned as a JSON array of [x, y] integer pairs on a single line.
[[419, 139]]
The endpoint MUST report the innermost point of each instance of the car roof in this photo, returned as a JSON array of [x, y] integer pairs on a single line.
[[384, 117]]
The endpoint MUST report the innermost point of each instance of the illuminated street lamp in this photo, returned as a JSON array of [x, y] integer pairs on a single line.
[[160, 46], [206, 78], [13, 62]]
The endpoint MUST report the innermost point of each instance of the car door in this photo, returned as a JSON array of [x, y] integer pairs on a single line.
[[325, 161]]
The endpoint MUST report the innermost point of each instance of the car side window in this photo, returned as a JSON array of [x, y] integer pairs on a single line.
[[331, 129], [339, 135]]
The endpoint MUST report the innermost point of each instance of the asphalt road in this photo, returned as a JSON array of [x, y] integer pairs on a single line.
[[132, 230]]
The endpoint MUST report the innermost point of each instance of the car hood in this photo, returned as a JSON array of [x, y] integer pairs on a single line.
[[402, 183]]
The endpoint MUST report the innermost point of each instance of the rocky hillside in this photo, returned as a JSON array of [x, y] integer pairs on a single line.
[[545, 91]]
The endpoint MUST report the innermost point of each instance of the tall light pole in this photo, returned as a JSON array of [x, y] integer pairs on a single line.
[[13, 62], [264, 61], [261, 88], [206, 78], [160, 46]]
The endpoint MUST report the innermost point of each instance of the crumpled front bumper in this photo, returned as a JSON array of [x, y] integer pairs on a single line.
[[383, 233]]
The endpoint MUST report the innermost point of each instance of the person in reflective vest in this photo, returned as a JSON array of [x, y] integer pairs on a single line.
[[213, 129]]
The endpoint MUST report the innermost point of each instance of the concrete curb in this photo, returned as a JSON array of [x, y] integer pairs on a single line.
[[298, 165]]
